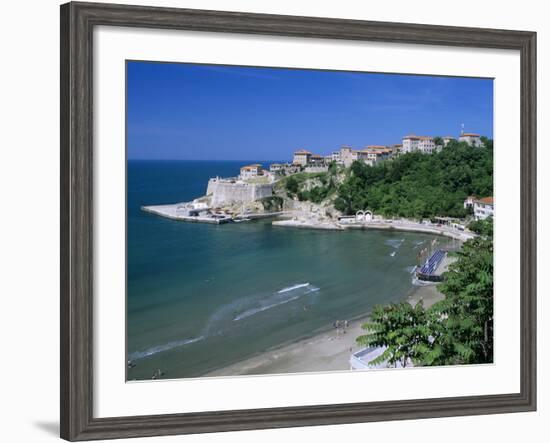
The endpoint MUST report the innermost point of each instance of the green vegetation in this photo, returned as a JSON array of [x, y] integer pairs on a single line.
[[456, 330], [417, 185], [298, 185], [292, 185], [482, 227], [272, 204], [401, 328], [463, 330]]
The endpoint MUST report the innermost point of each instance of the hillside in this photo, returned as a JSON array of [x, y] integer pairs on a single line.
[[417, 185]]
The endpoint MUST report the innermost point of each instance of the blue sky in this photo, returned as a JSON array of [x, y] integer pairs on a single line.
[[209, 112]]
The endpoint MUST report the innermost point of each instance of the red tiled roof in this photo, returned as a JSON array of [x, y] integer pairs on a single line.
[[417, 137], [487, 200], [250, 167], [469, 134]]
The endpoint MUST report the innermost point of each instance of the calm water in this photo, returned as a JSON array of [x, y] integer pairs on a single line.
[[204, 296]]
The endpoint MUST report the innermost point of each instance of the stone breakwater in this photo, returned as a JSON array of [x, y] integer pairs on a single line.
[[224, 191]]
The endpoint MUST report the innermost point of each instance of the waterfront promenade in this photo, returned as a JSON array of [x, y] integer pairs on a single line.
[[387, 225], [300, 220]]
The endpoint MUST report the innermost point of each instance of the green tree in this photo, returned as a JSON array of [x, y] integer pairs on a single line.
[[417, 185], [456, 330], [272, 203], [482, 227], [400, 328], [292, 185], [464, 330]]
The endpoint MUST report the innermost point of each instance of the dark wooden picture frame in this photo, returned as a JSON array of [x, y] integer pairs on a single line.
[[77, 23]]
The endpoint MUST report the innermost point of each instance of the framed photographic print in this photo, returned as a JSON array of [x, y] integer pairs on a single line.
[[272, 221]]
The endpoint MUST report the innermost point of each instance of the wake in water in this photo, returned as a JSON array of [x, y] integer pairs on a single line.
[[395, 243], [156, 349], [281, 297], [291, 288], [418, 243], [223, 319], [253, 311]]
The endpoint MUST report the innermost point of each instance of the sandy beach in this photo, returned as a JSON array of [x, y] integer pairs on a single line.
[[326, 351]]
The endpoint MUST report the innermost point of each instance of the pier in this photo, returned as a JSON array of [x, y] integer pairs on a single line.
[[181, 213], [187, 213]]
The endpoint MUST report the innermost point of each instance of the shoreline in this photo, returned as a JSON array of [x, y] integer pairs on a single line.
[[408, 226], [170, 211], [324, 350]]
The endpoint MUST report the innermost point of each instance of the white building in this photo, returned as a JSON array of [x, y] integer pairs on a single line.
[[473, 140], [380, 153], [410, 143], [276, 168], [422, 143], [469, 202], [250, 171], [482, 207], [347, 156], [301, 157], [366, 157], [372, 155], [316, 160], [426, 144]]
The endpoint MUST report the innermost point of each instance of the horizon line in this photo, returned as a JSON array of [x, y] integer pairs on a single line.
[[203, 160]]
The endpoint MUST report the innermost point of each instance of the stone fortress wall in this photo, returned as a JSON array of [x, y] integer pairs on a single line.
[[223, 191]]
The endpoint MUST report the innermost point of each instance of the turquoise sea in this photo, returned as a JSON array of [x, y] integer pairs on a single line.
[[200, 296]]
